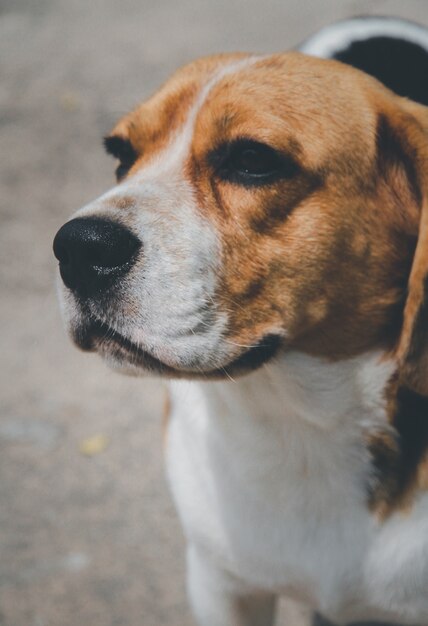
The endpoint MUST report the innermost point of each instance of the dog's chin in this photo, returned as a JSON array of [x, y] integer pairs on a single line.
[[125, 356]]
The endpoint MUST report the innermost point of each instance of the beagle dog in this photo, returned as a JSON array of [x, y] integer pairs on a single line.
[[265, 249]]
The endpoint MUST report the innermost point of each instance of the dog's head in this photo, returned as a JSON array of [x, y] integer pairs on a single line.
[[262, 204]]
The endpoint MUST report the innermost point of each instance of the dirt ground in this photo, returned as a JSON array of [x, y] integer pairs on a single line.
[[92, 539]]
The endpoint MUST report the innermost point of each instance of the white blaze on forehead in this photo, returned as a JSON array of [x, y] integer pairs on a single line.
[[172, 158]]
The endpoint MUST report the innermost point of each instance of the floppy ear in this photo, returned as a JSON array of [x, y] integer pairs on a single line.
[[412, 351]]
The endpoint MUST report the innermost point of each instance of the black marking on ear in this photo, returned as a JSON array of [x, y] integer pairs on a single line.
[[399, 64]]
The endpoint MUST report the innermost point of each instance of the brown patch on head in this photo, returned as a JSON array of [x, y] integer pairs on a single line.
[[150, 126], [338, 227], [226, 121]]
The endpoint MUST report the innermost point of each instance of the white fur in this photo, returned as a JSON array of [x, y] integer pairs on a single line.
[[340, 35], [270, 476], [167, 306]]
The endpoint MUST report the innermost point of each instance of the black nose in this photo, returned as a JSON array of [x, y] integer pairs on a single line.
[[93, 253]]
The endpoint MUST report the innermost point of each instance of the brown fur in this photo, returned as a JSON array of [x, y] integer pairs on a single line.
[[333, 258], [281, 244], [150, 126]]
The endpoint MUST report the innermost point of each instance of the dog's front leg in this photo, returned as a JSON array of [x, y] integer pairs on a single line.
[[219, 599]]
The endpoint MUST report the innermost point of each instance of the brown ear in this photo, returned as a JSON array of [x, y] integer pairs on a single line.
[[412, 349]]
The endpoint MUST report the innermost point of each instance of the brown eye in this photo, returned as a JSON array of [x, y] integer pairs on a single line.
[[249, 162]]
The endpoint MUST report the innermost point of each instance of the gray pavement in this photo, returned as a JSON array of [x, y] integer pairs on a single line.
[[92, 539]]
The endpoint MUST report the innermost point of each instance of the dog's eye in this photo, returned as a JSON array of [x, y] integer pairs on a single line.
[[253, 160], [123, 150], [249, 162]]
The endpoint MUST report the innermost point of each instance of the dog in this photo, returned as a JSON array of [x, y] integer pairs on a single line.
[[266, 250]]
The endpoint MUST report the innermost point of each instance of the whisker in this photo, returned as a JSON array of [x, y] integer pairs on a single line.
[[224, 370], [242, 345]]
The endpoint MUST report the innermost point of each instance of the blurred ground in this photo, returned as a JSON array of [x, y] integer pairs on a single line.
[[94, 540]]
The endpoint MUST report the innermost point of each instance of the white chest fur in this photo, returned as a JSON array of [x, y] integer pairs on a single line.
[[270, 475]]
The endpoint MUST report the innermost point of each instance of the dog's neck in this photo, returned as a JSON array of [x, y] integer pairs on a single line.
[[300, 387], [296, 417]]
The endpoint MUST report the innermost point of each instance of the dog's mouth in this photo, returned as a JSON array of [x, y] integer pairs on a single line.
[[99, 337]]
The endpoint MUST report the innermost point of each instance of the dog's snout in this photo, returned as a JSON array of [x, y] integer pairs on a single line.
[[93, 253]]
